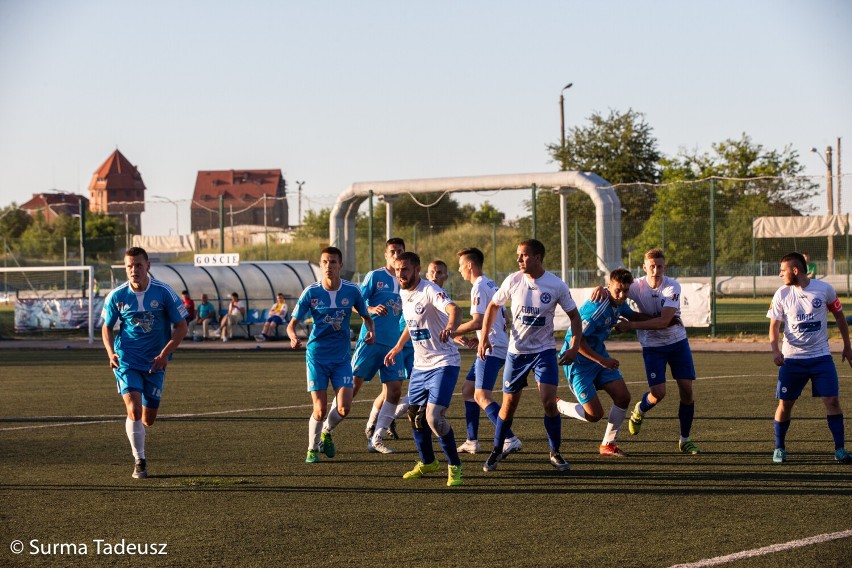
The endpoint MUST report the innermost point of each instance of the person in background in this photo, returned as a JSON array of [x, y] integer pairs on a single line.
[[204, 315], [190, 311], [236, 313], [277, 316]]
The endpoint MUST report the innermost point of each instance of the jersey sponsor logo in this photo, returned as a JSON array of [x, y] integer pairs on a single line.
[[807, 327], [804, 317], [145, 320], [395, 305], [418, 308], [817, 303], [533, 321], [530, 310], [335, 321], [545, 298], [421, 334], [442, 296]]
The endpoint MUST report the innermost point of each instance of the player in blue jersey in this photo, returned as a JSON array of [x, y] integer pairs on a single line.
[[482, 376], [329, 303], [534, 294], [380, 290], [801, 307], [431, 319], [152, 322], [593, 369]]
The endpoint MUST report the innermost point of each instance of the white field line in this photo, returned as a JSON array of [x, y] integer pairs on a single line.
[[117, 418], [771, 549]]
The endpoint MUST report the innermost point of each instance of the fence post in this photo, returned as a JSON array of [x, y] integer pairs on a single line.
[[753, 270], [222, 224], [663, 235], [494, 249], [534, 214], [712, 258], [576, 253]]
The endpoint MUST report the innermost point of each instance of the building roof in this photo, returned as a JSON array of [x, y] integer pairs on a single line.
[[239, 187], [68, 203], [116, 173]]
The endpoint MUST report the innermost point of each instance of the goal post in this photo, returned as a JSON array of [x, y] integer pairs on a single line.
[[50, 298]]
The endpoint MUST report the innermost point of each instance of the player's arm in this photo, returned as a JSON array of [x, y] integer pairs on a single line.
[[664, 320], [370, 336], [178, 333], [295, 342], [774, 339], [108, 336], [454, 314], [390, 358], [487, 323], [589, 353], [843, 328], [570, 354]]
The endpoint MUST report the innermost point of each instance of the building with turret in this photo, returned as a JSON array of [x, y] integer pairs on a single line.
[[117, 189]]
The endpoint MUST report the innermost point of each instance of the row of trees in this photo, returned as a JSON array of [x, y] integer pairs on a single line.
[[659, 194]]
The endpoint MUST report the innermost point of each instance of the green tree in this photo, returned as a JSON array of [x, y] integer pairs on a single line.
[[487, 215], [104, 234], [315, 224], [766, 183], [13, 221]]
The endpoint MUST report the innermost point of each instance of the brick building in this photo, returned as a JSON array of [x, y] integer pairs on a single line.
[[249, 196], [53, 204], [117, 189]]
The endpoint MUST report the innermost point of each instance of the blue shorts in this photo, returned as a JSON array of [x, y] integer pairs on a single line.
[[585, 378], [794, 374], [678, 356], [484, 373], [319, 373], [433, 385], [275, 319], [370, 359], [519, 366], [149, 384]]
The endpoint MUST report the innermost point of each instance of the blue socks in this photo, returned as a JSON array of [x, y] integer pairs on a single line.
[[644, 405], [553, 426], [781, 434], [423, 441], [448, 443], [493, 412], [835, 424], [471, 418], [501, 427], [685, 413]]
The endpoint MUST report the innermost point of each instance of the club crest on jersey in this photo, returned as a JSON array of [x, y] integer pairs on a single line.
[[380, 285], [155, 304], [315, 302], [418, 308], [344, 302], [545, 298], [817, 303]]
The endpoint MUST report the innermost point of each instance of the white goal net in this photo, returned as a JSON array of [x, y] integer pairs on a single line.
[[50, 298]]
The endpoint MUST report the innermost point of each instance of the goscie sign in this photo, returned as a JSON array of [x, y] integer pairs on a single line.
[[217, 259]]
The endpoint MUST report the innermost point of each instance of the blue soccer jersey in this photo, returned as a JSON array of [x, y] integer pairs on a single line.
[[598, 320], [146, 317], [331, 311], [380, 287]]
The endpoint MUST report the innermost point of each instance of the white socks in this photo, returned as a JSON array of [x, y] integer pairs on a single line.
[[136, 434], [401, 408], [616, 417], [571, 409], [374, 415], [314, 431]]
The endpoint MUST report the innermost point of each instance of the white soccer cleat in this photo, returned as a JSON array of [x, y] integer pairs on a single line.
[[377, 445], [511, 445], [470, 446]]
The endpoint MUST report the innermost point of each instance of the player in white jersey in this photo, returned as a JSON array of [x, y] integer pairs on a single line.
[[534, 294], [153, 324], [482, 376], [664, 342], [801, 306], [431, 320]]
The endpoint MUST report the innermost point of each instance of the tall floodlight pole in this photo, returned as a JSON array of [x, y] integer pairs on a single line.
[[562, 124], [299, 219], [829, 269]]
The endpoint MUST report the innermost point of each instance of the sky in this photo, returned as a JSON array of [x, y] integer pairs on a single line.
[[339, 92]]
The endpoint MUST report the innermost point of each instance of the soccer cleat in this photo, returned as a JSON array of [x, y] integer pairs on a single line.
[[392, 430], [327, 445], [779, 455], [313, 456], [842, 456], [511, 445], [469, 446], [225, 339], [140, 469], [454, 475], [557, 461], [377, 446], [493, 459], [421, 469], [688, 447], [612, 449], [369, 431], [260, 338], [635, 422]]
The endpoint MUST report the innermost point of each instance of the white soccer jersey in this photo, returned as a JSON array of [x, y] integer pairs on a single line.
[[534, 303], [804, 313], [480, 295], [424, 311], [651, 301]]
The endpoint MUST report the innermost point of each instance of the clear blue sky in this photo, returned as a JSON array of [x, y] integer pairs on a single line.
[[339, 91]]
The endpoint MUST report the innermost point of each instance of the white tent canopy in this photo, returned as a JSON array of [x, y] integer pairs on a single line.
[[787, 227]]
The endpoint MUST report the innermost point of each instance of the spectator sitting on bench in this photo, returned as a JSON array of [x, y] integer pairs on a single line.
[[236, 313], [277, 316], [205, 314]]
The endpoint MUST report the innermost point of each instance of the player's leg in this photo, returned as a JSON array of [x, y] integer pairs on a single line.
[[547, 377], [683, 371], [792, 379], [471, 411], [418, 396], [318, 379], [617, 390], [130, 386], [442, 386], [515, 374], [581, 378], [655, 373], [392, 390], [825, 384]]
